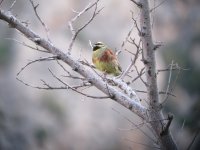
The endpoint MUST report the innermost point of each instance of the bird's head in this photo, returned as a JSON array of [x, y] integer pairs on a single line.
[[98, 45]]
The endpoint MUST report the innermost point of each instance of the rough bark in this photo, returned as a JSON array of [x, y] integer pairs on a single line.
[[155, 113]]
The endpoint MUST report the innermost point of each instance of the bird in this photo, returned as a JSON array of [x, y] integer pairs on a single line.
[[105, 60]]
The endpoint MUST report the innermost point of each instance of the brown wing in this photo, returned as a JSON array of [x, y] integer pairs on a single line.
[[108, 56]]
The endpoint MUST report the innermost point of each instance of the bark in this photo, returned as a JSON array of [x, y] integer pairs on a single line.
[[166, 141]]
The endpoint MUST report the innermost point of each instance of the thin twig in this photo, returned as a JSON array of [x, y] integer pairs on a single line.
[[96, 97], [140, 75], [160, 92], [137, 3], [128, 35], [76, 32], [69, 74], [135, 22], [136, 55], [12, 5], [138, 127], [169, 81], [157, 6], [40, 20], [37, 60], [26, 45], [195, 136]]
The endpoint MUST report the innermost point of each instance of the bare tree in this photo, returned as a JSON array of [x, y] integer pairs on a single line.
[[116, 89]]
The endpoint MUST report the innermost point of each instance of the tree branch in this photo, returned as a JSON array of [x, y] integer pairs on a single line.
[[166, 141], [86, 72]]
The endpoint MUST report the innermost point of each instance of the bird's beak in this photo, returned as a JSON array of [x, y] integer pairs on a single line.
[[90, 43]]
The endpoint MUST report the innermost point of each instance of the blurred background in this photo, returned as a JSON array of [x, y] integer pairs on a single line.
[[63, 120]]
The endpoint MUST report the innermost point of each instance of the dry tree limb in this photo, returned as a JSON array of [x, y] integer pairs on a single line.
[[12, 5], [162, 2], [136, 55], [138, 4], [76, 32], [166, 141], [86, 72], [26, 45], [37, 60], [40, 20], [74, 88]]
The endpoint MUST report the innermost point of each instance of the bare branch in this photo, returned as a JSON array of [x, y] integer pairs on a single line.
[[12, 5], [37, 60], [169, 81], [70, 23], [86, 72], [26, 45], [136, 55], [69, 74], [128, 35], [157, 6], [41, 88], [40, 20], [136, 126], [139, 75], [174, 67], [74, 89], [137, 3], [149, 60], [193, 140], [135, 22]]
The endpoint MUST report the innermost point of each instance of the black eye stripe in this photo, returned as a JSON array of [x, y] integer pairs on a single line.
[[96, 47]]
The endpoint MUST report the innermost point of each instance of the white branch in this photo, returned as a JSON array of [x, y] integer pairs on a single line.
[[86, 72]]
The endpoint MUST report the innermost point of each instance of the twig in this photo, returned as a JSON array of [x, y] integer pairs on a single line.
[[135, 22], [41, 88], [26, 45], [174, 67], [96, 97], [160, 92], [157, 5], [37, 60], [132, 123], [40, 20], [69, 74], [88, 73], [128, 35], [169, 81], [195, 136], [11, 7], [140, 75], [137, 3], [133, 61], [70, 23]]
